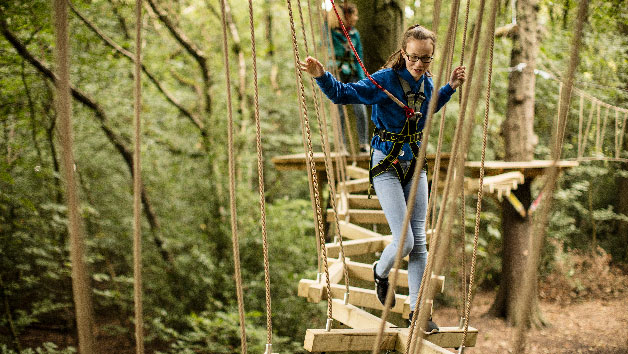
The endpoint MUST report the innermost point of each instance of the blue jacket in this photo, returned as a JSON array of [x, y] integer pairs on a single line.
[[386, 113], [346, 61]]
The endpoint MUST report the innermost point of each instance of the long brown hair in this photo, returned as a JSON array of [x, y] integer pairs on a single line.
[[396, 61]]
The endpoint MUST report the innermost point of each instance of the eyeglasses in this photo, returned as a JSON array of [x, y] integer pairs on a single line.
[[414, 58]]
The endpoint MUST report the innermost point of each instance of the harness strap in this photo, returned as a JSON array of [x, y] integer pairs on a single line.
[[407, 135]]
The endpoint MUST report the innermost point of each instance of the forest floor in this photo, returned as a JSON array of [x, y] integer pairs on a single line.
[[586, 312]]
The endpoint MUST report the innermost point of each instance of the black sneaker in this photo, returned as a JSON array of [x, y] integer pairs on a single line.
[[381, 287], [432, 327]]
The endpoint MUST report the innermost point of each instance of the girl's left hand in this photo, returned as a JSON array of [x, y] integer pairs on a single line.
[[458, 76]]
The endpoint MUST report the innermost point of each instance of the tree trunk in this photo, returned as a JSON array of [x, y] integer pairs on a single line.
[[520, 141], [381, 27]]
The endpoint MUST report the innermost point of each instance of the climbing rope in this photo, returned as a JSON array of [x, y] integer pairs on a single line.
[[260, 178], [435, 258], [540, 225], [137, 184], [80, 280], [330, 175], [478, 209], [232, 194], [312, 167], [431, 205]]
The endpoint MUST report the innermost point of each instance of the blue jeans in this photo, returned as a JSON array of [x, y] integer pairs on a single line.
[[362, 124], [393, 199]]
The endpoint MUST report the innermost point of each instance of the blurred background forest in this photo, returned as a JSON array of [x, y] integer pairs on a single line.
[[189, 292]]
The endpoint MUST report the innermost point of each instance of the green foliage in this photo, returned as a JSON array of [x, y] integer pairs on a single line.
[[189, 300]]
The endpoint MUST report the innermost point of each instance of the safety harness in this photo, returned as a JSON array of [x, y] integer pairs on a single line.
[[408, 135]]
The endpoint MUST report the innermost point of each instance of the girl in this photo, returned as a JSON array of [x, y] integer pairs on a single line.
[[395, 144], [348, 67]]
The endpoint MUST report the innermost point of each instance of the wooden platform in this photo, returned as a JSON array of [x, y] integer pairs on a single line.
[[527, 168]]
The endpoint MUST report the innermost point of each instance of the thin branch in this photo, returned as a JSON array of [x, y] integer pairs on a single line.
[[169, 97]]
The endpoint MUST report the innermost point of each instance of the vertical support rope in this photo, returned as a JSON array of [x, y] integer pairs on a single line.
[[585, 137], [580, 120], [457, 159], [603, 134], [431, 205], [137, 185], [260, 178], [540, 225], [478, 208], [80, 279], [325, 145], [310, 153], [463, 259], [232, 187]]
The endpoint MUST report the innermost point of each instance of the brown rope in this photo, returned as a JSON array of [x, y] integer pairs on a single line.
[[341, 159], [463, 259], [137, 185], [580, 121], [585, 137], [431, 205], [232, 194], [441, 242], [80, 279], [260, 178], [620, 134], [324, 142], [540, 225], [478, 209], [310, 153], [603, 134], [597, 129]]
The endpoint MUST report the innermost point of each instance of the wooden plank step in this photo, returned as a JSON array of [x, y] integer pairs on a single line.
[[355, 317], [339, 340], [357, 247], [363, 245], [356, 185], [361, 216], [317, 291], [364, 271], [362, 201], [356, 172], [447, 337], [354, 232]]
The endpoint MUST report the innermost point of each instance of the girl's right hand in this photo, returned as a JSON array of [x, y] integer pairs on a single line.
[[312, 67]]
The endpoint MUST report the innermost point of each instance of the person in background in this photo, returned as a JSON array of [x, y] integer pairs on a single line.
[[349, 70]]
